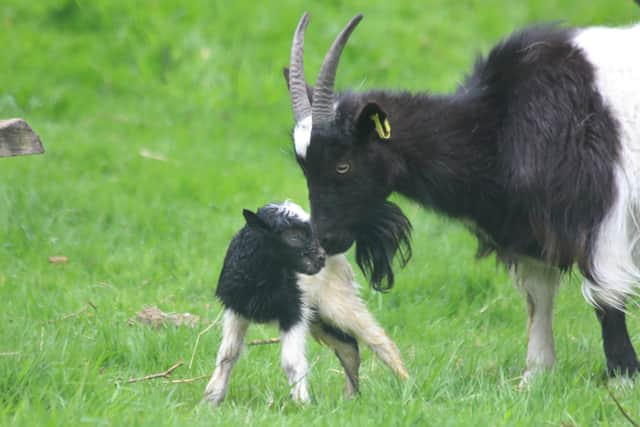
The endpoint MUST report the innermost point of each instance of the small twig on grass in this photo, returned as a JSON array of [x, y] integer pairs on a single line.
[[58, 259], [189, 380], [265, 342], [41, 338], [10, 353], [620, 408], [202, 332], [164, 374], [84, 308]]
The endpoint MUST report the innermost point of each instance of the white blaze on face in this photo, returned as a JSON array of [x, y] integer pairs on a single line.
[[291, 209], [302, 136]]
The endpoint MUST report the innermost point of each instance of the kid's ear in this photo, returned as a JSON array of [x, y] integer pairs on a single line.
[[285, 73], [254, 220], [373, 120]]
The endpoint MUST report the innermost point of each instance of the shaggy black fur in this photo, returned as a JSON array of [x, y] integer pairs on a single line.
[[258, 278], [386, 232], [523, 151]]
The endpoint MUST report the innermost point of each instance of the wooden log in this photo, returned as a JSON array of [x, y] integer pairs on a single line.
[[17, 139]]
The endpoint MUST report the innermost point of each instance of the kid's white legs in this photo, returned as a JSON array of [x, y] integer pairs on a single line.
[[539, 284], [234, 329], [294, 361]]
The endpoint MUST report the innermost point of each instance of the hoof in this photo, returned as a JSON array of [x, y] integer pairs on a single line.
[[526, 380], [213, 399], [300, 395], [621, 383], [530, 374], [622, 368]]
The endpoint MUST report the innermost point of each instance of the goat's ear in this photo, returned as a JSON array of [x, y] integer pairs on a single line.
[[372, 120], [285, 73], [254, 220]]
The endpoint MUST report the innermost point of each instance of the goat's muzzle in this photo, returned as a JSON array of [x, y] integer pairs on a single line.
[[336, 242]]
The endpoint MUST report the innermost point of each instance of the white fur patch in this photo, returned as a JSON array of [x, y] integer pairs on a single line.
[[332, 288], [291, 209], [615, 268], [613, 52], [302, 136]]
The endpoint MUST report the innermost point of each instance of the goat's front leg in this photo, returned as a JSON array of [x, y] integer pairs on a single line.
[[294, 360], [234, 329], [538, 283]]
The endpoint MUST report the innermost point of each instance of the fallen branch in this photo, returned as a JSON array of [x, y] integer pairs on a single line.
[[10, 353], [189, 380], [202, 332], [621, 409], [164, 374], [265, 342], [84, 308]]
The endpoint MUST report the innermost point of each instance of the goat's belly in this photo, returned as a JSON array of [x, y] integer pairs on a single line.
[[613, 52]]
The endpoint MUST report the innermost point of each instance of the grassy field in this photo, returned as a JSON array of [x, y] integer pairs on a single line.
[[160, 123]]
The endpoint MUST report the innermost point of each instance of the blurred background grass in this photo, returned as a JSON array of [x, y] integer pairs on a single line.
[[161, 121]]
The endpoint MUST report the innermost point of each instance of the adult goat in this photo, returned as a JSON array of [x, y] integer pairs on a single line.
[[537, 152]]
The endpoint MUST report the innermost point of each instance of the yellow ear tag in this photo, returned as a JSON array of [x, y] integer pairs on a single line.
[[384, 130]]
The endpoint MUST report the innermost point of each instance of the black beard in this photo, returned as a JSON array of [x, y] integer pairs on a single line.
[[387, 233]]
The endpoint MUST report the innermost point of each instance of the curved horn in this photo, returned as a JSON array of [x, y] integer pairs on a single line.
[[297, 86], [323, 93]]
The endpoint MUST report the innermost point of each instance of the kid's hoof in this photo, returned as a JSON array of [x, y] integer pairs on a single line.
[[213, 399], [300, 396]]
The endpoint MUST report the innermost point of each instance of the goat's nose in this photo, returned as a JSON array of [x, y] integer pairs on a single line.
[[322, 255]]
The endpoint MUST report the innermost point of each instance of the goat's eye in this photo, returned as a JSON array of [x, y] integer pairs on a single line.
[[294, 238], [343, 167]]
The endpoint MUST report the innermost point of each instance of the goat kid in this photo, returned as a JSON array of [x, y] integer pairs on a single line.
[[537, 151], [275, 271]]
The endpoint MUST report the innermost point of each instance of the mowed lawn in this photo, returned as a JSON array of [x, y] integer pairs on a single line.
[[161, 121]]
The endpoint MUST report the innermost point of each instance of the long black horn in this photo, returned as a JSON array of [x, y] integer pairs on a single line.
[[323, 92], [297, 86]]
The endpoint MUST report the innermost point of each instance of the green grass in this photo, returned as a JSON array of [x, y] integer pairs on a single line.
[[200, 84]]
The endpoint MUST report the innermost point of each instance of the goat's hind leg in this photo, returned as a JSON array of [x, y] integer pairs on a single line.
[[616, 275], [345, 347], [621, 357], [234, 329]]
